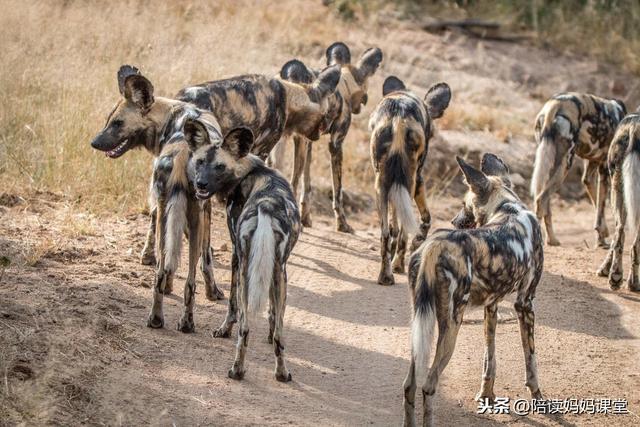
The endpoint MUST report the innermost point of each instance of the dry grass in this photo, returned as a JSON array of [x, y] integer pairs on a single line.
[[58, 78]]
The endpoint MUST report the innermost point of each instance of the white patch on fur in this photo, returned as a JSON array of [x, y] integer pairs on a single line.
[[176, 214], [422, 328], [453, 284], [261, 263], [631, 185], [401, 201]]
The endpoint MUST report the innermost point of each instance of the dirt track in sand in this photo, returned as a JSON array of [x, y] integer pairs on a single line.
[[74, 348]]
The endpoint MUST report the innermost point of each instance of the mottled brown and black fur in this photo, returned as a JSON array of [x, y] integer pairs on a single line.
[[264, 224], [477, 266], [569, 125], [624, 170], [401, 127], [347, 100], [140, 119]]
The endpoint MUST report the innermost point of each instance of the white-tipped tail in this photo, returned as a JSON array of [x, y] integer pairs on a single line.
[[542, 167], [176, 221], [261, 262], [631, 183], [400, 198], [422, 329]]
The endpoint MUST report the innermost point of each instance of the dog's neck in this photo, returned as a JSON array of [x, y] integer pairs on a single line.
[[161, 115]]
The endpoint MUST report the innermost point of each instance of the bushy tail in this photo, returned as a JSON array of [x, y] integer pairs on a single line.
[[400, 198], [176, 221], [545, 155], [424, 317], [631, 183], [261, 262]]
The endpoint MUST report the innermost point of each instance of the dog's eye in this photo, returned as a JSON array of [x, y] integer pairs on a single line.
[[219, 167], [117, 123]]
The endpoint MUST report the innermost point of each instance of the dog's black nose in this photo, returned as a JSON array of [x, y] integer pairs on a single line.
[[201, 184]]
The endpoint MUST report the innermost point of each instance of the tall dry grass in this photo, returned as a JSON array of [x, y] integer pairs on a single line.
[[57, 83]]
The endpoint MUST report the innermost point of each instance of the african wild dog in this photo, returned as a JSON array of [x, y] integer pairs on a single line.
[[264, 225], [401, 126], [141, 119], [624, 168], [348, 99], [477, 266], [572, 124]]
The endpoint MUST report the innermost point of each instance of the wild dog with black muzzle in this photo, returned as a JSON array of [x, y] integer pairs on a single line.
[[264, 224], [142, 120], [479, 266], [348, 99], [571, 124], [401, 126], [624, 170], [269, 106]]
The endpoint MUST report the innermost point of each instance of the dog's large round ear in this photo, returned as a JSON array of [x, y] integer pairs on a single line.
[[239, 141], [124, 72], [437, 99], [392, 84], [494, 166], [295, 71], [475, 179], [195, 133], [368, 64], [139, 90], [327, 81], [338, 53]]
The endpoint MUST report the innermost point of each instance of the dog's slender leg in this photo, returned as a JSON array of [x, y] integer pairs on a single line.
[[420, 198], [280, 293], [589, 180], [156, 317], [148, 257], [224, 331], [272, 314], [237, 370], [633, 282], [489, 364], [410, 396], [386, 276], [526, 319], [212, 292], [401, 251], [194, 221], [298, 163], [447, 334], [335, 149], [612, 265], [602, 232], [305, 203]]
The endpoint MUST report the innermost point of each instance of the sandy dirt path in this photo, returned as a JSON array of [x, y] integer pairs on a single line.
[[74, 348]]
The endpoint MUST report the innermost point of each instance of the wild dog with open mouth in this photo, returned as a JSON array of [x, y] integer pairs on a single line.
[[401, 126], [624, 169], [142, 120], [264, 225], [348, 99], [571, 124], [477, 266], [269, 106]]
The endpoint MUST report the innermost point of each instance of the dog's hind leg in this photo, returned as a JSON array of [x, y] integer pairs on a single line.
[[305, 203], [420, 197], [224, 330], [633, 282], [489, 363], [279, 301], [612, 265], [526, 319], [194, 221], [385, 276], [401, 250], [602, 232], [237, 371], [212, 291], [335, 149], [299, 148], [162, 279], [409, 387], [148, 257]]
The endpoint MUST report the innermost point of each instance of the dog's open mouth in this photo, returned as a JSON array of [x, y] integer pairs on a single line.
[[122, 148], [203, 194]]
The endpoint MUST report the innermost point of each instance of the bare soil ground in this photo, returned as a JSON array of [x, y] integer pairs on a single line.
[[74, 348]]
